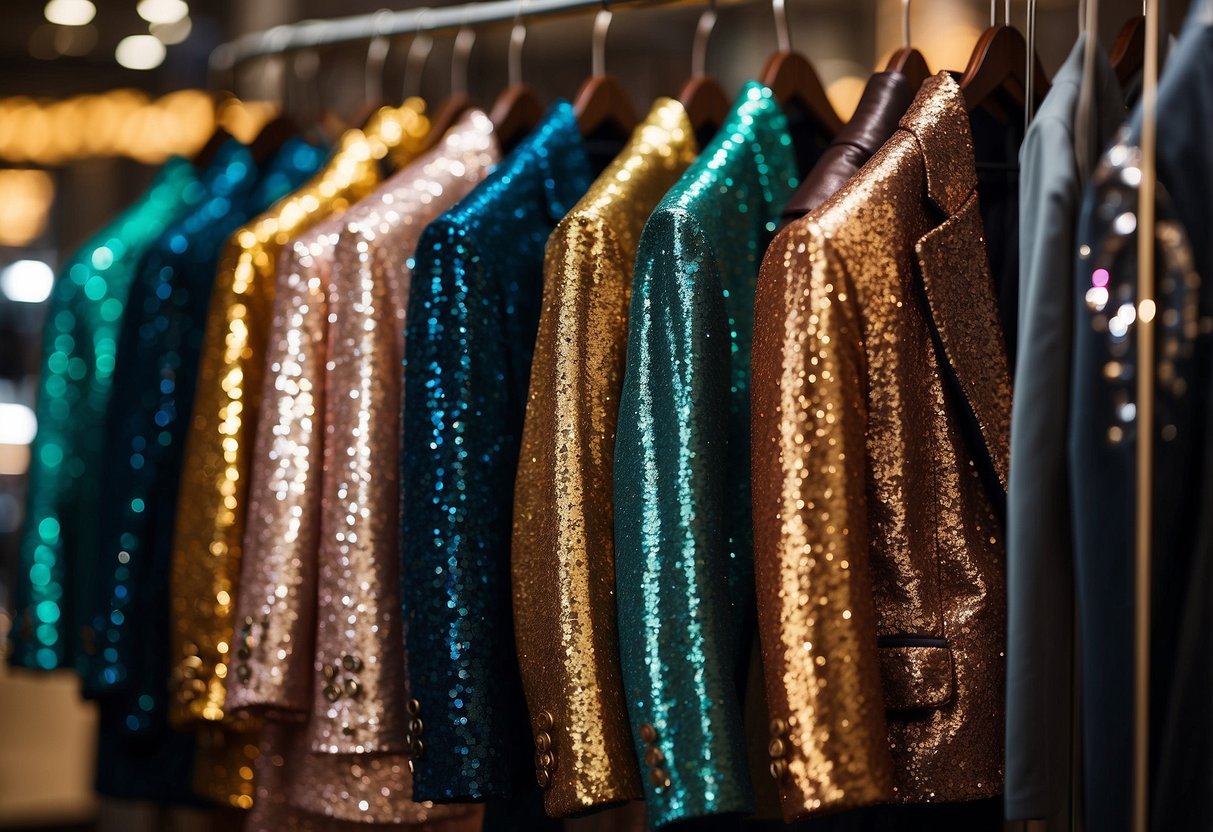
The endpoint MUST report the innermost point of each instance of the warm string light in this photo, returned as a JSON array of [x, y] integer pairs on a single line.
[[120, 123]]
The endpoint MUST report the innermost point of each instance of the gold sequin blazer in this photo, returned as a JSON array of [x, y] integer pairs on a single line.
[[881, 406]]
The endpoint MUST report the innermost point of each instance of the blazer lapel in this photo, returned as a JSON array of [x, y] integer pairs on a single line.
[[956, 272], [960, 298]]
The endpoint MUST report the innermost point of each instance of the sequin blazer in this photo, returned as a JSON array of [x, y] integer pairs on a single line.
[[682, 544], [881, 404]]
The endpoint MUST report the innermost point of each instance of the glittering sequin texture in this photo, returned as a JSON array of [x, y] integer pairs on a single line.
[[682, 517], [472, 316], [564, 551], [881, 414], [54, 591], [208, 541]]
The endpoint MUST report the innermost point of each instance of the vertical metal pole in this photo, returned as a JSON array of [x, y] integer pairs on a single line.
[[1146, 311]]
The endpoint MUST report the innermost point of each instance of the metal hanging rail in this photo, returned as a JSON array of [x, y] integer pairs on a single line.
[[309, 34]]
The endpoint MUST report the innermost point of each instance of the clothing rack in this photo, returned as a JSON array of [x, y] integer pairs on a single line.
[[311, 34]]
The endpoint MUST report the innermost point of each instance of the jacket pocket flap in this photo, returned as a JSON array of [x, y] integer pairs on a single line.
[[916, 677]]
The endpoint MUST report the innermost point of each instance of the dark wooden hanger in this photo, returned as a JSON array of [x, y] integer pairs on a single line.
[[997, 67], [602, 105], [706, 104], [909, 62], [1129, 51], [448, 112], [516, 113], [792, 79], [702, 96]]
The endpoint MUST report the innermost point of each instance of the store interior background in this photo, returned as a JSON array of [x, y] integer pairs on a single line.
[[81, 135]]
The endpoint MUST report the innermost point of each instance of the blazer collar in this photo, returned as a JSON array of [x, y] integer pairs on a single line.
[[939, 123], [956, 278]]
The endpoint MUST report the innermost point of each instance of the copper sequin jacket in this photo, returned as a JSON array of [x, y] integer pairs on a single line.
[[881, 404]]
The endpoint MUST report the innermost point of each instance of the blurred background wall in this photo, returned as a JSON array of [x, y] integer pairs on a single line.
[[86, 113]]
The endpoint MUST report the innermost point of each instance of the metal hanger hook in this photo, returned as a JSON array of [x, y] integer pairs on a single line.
[[419, 54], [517, 41], [376, 56], [703, 35], [602, 24], [461, 56], [905, 23], [782, 36]]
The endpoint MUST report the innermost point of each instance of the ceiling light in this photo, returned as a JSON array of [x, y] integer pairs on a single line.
[[18, 425], [162, 11], [70, 12], [27, 281], [170, 33], [140, 52]]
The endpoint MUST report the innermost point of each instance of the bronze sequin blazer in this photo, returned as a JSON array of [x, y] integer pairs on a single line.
[[881, 405]]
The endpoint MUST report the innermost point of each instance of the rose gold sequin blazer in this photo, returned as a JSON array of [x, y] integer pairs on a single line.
[[881, 406]]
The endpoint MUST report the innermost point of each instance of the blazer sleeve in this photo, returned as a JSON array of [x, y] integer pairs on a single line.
[[209, 536], [130, 464], [1040, 568], [359, 674], [675, 621], [563, 558], [275, 608], [42, 635], [457, 475], [828, 742]]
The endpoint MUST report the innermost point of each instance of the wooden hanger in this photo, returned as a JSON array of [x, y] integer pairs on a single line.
[[702, 96], [376, 58], [997, 66], [907, 60], [458, 102], [517, 110], [601, 105], [1129, 51], [793, 81]]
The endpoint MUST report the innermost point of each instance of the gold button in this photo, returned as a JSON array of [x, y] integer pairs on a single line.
[[778, 769], [778, 727], [416, 726], [329, 672], [776, 747], [416, 749], [414, 707], [545, 720], [545, 759], [543, 740], [351, 663], [543, 778], [648, 733], [659, 778], [332, 693], [654, 757], [348, 730], [353, 688]]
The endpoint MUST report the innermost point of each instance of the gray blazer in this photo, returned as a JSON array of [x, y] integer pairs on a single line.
[[1040, 575]]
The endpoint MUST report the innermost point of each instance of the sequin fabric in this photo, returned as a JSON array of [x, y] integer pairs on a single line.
[[157, 353], [681, 477], [53, 592], [563, 558], [210, 523], [339, 319], [881, 413], [472, 316]]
